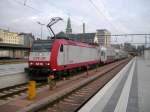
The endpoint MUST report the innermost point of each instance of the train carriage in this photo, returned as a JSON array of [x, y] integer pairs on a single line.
[[107, 55], [60, 55]]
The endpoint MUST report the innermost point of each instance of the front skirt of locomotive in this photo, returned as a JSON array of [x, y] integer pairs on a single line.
[[38, 73]]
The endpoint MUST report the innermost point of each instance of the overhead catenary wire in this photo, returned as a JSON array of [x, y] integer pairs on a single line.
[[25, 2], [101, 14], [25, 5], [103, 3], [66, 12], [54, 5]]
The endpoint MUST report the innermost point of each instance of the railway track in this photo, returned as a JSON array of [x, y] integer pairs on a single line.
[[74, 100], [9, 93], [13, 90]]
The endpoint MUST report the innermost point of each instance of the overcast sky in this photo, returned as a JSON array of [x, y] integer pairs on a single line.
[[118, 16]]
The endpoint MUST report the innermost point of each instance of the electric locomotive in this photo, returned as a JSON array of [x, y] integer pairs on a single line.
[[49, 56], [58, 55]]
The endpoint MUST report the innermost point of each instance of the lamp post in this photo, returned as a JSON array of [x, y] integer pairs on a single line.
[[41, 24]]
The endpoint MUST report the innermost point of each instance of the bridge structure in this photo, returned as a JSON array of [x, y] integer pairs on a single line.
[[146, 37], [13, 50]]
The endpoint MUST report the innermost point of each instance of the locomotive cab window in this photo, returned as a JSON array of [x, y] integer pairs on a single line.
[[61, 48], [41, 46]]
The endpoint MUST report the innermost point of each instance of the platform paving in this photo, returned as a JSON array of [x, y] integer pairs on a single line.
[[12, 74], [9, 69], [128, 91]]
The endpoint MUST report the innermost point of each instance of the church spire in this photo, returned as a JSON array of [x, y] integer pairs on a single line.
[[68, 29]]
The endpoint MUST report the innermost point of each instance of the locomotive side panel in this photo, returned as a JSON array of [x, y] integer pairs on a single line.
[[72, 54], [77, 54]]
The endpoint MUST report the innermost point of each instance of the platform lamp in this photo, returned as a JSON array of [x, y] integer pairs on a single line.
[[41, 24]]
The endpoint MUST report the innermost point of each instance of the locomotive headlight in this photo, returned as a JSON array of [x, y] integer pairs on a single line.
[[48, 63], [54, 69], [31, 63]]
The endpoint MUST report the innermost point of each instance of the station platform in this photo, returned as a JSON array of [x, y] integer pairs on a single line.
[[128, 91], [8, 69], [12, 74]]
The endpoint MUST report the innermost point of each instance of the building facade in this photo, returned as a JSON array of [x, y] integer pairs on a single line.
[[10, 37], [104, 37], [15, 45], [28, 39]]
